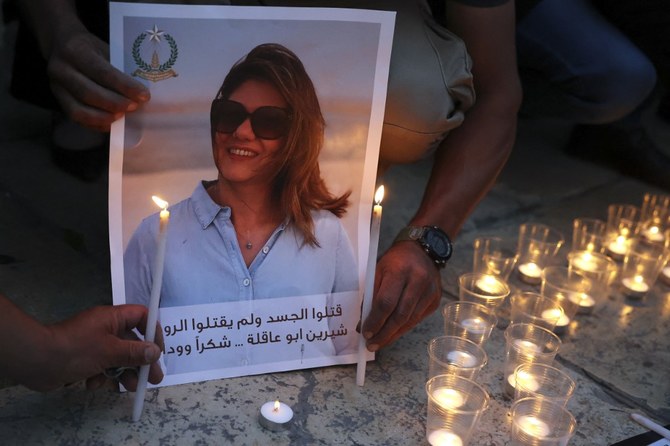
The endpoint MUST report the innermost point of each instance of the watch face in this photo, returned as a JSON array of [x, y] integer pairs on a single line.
[[438, 242]]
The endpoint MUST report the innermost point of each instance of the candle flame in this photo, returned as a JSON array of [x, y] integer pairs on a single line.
[[160, 202], [276, 408], [379, 195]]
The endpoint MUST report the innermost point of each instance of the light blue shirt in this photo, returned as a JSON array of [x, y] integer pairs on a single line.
[[204, 263]]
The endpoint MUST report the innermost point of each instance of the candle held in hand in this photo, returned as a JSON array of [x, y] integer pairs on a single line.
[[154, 300], [369, 282]]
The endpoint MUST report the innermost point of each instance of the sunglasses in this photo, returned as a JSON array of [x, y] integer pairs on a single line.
[[267, 122]]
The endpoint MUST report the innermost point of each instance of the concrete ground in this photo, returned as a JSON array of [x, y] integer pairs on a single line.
[[54, 256]]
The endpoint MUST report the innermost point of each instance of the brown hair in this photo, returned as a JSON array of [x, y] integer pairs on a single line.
[[298, 185]]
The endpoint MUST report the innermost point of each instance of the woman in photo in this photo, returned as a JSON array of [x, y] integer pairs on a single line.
[[267, 226]]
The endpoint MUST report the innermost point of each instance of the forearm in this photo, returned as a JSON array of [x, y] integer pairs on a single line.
[[50, 19], [471, 157], [24, 343], [466, 166]]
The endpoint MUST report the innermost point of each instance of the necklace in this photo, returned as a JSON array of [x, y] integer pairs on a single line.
[[248, 245]]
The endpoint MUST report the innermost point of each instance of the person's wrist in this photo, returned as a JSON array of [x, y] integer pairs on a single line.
[[435, 243]]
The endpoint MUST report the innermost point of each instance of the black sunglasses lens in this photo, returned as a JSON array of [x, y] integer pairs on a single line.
[[267, 122], [270, 122], [226, 116]]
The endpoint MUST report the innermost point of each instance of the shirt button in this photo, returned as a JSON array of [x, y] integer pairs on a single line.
[[246, 282], [266, 249]]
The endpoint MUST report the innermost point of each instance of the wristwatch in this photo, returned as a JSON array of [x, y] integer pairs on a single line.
[[432, 239]]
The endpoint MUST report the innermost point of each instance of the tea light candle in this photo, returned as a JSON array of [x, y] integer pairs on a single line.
[[533, 425], [530, 273], [617, 248], [635, 287], [490, 284], [461, 359], [475, 325], [553, 313], [442, 437], [527, 346], [585, 262], [585, 303], [448, 398], [524, 379], [653, 234], [275, 416]]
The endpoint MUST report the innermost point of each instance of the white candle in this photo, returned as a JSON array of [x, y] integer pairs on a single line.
[[275, 415], [154, 300], [524, 379], [585, 302], [448, 398], [441, 437], [527, 346], [654, 234], [475, 325], [635, 286], [617, 249], [461, 359], [369, 282], [530, 273], [533, 426], [585, 262], [490, 284], [554, 314]]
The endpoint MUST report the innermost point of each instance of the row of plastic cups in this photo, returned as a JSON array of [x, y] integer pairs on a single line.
[[456, 405], [540, 390]]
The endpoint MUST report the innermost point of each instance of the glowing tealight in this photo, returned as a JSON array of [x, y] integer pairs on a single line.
[[475, 325], [441, 437], [635, 286], [448, 398], [490, 284], [461, 359], [533, 425], [530, 273]]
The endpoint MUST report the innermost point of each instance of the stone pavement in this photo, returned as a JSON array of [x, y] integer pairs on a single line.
[[54, 261]]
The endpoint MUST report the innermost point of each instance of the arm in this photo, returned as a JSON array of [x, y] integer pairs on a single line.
[[89, 89], [44, 357], [466, 165]]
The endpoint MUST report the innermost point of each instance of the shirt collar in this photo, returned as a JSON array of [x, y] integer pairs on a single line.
[[204, 207]]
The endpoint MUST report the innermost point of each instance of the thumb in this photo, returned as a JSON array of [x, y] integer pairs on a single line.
[[136, 353]]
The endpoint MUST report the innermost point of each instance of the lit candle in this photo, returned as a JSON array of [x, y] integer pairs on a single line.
[[527, 346], [533, 426], [636, 286], [461, 359], [154, 300], [369, 282], [475, 325], [523, 379], [585, 262], [653, 234], [530, 273], [275, 416], [442, 437], [617, 248], [448, 398], [558, 315], [490, 284], [585, 303]]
